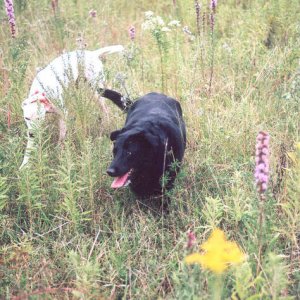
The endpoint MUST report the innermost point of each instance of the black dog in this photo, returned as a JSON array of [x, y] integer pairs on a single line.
[[150, 145]]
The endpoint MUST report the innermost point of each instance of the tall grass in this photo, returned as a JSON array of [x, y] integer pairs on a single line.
[[64, 233]]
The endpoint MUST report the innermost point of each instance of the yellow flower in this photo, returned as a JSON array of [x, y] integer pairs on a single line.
[[218, 254]]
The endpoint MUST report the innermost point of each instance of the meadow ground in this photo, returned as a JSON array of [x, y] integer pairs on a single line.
[[64, 233]]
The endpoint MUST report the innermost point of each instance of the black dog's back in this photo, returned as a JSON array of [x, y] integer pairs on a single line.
[[152, 104], [160, 110], [155, 131]]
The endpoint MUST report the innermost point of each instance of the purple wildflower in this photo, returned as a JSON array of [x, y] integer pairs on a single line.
[[204, 20], [197, 8], [191, 239], [213, 5], [212, 21], [9, 7], [93, 13], [261, 173], [131, 32], [54, 4]]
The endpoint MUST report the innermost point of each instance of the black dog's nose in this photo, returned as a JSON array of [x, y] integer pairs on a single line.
[[111, 171]]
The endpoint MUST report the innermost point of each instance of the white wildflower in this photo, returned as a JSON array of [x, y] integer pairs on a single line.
[[120, 77], [186, 30], [227, 48], [174, 23], [149, 14], [190, 35], [165, 29], [159, 21], [148, 25]]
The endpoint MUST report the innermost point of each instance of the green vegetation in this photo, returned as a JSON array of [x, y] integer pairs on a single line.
[[65, 234]]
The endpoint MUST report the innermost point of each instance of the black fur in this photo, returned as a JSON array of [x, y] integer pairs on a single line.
[[152, 143]]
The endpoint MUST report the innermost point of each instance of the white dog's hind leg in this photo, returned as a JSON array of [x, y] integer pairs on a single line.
[[62, 129], [34, 114], [30, 145]]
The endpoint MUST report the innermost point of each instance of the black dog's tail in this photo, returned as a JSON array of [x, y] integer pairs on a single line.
[[122, 102]]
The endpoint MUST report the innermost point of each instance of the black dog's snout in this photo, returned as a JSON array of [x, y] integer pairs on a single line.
[[111, 171]]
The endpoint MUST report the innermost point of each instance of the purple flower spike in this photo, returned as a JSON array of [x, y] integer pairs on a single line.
[[262, 153], [212, 22], [131, 32], [198, 15], [213, 5], [93, 13], [9, 8], [191, 239], [54, 4]]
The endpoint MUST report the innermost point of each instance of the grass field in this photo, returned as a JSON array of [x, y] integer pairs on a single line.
[[65, 234]]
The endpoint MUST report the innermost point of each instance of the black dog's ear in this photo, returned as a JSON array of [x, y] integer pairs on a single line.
[[150, 135], [144, 134], [152, 138], [114, 134]]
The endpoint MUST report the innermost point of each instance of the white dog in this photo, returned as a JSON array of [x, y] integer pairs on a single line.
[[48, 86]]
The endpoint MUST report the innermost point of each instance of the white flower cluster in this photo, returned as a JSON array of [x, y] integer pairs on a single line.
[[186, 30], [153, 23], [174, 23]]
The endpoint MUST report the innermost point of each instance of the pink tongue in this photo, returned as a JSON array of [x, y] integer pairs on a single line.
[[120, 181]]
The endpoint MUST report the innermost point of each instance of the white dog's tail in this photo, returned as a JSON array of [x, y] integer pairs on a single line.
[[108, 50]]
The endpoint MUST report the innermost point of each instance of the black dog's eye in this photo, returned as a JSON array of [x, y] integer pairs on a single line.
[[129, 153]]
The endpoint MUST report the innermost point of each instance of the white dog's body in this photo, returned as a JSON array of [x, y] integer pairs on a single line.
[[49, 84]]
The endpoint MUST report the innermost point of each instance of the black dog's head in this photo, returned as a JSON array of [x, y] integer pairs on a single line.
[[134, 153]]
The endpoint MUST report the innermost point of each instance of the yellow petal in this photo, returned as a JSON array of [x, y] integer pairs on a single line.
[[216, 239], [214, 263], [195, 258], [219, 253], [233, 254]]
